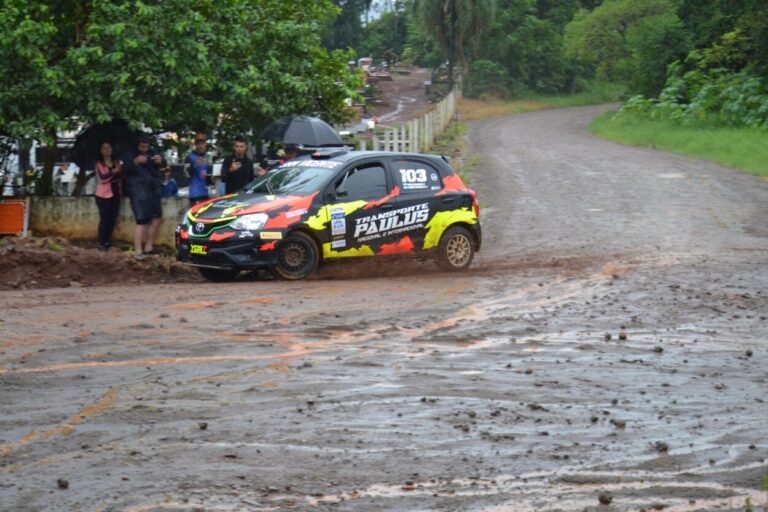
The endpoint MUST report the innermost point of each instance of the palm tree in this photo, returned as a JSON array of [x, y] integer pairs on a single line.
[[452, 22]]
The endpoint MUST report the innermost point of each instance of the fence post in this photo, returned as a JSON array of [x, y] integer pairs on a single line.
[[374, 142], [361, 145]]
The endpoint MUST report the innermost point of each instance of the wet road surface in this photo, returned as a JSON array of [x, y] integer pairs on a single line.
[[608, 344]]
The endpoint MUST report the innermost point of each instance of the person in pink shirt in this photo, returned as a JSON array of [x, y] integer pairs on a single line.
[[107, 194]]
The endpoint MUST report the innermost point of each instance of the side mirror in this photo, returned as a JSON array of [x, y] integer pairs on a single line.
[[341, 191]]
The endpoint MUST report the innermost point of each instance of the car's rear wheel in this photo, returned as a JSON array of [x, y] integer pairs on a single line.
[[218, 275], [297, 258], [456, 249]]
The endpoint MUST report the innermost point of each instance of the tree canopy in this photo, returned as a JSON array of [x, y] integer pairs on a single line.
[[178, 65]]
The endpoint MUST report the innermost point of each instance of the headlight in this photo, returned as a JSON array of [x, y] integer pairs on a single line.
[[252, 222], [185, 219]]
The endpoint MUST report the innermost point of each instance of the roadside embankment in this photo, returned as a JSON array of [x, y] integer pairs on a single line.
[[741, 148]]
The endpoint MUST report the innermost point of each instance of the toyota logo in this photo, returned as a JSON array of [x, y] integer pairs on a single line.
[[199, 227]]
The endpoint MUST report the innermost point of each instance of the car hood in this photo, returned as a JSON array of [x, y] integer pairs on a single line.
[[283, 210]]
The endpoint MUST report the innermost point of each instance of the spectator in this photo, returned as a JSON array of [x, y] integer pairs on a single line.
[[168, 186], [141, 169], [108, 175], [238, 170], [64, 178], [198, 169], [291, 152]]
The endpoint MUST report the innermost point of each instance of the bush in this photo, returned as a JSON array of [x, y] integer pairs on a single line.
[[486, 78], [736, 99]]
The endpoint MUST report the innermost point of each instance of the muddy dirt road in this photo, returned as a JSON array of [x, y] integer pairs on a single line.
[[609, 345]]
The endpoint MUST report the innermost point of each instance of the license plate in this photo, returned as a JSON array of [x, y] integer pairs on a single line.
[[202, 250]]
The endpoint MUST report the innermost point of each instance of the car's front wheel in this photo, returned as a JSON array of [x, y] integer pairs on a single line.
[[218, 275], [456, 250], [297, 258]]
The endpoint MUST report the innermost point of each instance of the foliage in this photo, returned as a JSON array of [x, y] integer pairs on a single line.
[[719, 98], [385, 37], [486, 78], [629, 41], [450, 23], [175, 65]]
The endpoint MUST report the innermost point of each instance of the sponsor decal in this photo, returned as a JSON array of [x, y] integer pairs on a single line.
[[295, 213], [198, 249], [271, 235], [338, 244], [229, 204], [246, 234], [336, 212], [392, 222], [319, 220], [338, 227], [322, 164], [413, 179], [434, 176]]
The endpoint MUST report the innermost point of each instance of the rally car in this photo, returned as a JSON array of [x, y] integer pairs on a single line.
[[330, 205]]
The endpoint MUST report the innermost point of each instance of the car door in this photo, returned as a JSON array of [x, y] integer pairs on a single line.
[[359, 213], [419, 182]]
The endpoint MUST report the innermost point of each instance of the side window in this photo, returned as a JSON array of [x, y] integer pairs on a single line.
[[364, 182], [413, 176]]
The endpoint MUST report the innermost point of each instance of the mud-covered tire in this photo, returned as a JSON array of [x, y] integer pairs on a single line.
[[218, 275], [456, 249], [297, 257]]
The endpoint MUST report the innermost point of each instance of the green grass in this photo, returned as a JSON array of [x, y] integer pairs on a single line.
[[595, 94], [741, 148]]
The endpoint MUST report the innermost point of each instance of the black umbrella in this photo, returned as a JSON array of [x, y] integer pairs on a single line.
[[85, 152], [303, 130]]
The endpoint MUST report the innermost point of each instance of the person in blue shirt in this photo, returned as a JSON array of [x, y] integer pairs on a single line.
[[168, 186], [198, 169]]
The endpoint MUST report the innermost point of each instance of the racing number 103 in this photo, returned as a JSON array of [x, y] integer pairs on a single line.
[[413, 175]]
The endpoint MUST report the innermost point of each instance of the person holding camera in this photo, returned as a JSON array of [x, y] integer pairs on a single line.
[[198, 168], [141, 172], [238, 170]]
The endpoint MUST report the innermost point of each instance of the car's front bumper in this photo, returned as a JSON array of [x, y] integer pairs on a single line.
[[244, 255]]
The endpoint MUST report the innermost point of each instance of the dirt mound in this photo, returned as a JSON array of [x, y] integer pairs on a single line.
[[49, 262]]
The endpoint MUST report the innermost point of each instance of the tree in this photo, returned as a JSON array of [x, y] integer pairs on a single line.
[[623, 39], [177, 65], [451, 22]]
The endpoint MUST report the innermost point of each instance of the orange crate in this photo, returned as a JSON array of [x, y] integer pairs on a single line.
[[12, 213]]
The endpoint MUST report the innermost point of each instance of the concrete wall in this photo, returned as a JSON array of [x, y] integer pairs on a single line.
[[77, 218]]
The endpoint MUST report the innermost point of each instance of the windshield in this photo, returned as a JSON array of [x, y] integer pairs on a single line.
[[290, 181]]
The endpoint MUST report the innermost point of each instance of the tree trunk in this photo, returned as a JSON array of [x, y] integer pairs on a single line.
[[44, 186], [82, 179]]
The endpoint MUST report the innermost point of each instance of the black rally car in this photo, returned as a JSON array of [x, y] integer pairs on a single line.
[[334, 204]]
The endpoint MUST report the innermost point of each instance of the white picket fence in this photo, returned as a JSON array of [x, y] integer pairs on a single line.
[[416, 135]]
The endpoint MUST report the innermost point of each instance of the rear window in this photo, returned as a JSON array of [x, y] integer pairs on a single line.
[[414, 176]]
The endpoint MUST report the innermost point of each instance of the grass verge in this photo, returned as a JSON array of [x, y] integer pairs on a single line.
[[596, 93], [453, 143], [741, 148]]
